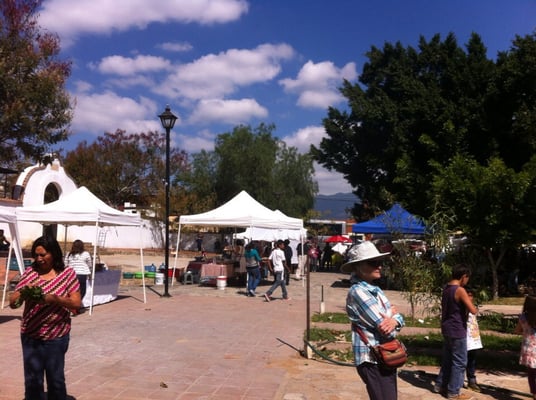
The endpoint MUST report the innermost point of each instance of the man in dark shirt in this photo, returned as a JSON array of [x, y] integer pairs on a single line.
[[288, 258]]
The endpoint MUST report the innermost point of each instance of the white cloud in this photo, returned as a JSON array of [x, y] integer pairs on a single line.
[[227, 111], [317, 85], [175, 47], [329, 182], [202, 140], [107, 112], [127, 66], [218, 75], [71, 18], [305, 137]]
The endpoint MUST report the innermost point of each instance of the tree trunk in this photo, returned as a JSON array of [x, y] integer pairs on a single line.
[[494, 264]]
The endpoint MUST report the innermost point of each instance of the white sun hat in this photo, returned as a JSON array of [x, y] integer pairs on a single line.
[[361, 252]]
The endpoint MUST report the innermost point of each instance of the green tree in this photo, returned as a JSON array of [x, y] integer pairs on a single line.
[[512, 104], [413, 110], [276, 175], [199, 182], [120, 167], [493, 205], [35, 109]]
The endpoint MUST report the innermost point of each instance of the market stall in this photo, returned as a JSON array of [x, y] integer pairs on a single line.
[[82, 207], [241, 211], [103, 288]]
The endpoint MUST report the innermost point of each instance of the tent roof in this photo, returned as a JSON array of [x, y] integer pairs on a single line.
[[271, 235], [243, 211], [7, 215], [394, 220], [80, 207]]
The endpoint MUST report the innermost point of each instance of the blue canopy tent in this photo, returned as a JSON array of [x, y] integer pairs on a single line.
[[394, 220]]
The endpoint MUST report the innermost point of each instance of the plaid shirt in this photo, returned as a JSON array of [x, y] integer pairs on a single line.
[[364, 304]]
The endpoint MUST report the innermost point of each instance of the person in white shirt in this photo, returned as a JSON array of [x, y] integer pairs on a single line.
[[80, 260], [278, 263]]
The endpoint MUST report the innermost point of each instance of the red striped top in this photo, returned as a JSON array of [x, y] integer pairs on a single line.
[[47, 321]]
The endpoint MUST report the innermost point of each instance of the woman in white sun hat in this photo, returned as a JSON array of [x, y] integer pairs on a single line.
[[369, 310]]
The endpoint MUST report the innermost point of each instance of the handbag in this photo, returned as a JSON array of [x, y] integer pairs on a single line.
[[390, 355]]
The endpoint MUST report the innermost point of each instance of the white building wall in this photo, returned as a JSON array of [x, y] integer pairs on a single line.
[[35, 180]]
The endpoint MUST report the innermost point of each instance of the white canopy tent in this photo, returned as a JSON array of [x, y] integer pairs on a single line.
[[82, 207], [7, 215], [243, 211]]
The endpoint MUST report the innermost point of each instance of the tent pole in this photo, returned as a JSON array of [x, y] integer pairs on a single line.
[[176, 254], [7, 272], [15, 245], [141, 266], [97, 227], [65, 239]]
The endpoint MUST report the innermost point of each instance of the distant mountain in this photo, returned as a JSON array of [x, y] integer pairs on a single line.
[[335, 206]]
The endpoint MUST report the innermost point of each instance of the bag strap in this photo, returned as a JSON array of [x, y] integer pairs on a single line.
[[359, 331]]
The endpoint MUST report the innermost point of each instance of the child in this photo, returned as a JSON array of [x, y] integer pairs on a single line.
[[473, 344], [527, 327]]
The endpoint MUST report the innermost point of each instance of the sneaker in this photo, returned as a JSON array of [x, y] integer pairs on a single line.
[[252, 293], [438, 389], [266, 297], [474, 387], [460, 396]]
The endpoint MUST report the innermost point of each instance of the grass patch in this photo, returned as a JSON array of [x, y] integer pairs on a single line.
[[336, 318], [508, 301], [488, 321], [500, 353]]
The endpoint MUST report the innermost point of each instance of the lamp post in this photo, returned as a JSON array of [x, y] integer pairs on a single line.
[[167, 118]]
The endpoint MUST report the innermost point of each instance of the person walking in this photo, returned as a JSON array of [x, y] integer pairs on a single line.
[[80, 260], [46, 321], [455, 304], [278, 263], [526, 326], [199, 243], [288, 258], [253, 268], [4, 243], [370, 311]]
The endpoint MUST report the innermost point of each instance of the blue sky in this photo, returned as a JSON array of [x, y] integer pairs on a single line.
[[221, 63]]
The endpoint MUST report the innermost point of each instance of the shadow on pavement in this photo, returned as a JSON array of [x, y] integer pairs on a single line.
[[426, 380], [7, 318]]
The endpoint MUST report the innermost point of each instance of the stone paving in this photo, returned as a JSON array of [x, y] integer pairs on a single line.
[[207, 343]]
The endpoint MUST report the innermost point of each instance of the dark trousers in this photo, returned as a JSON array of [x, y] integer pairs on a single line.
[[471, 366], [381, 383], [44, 358], [82, 279]]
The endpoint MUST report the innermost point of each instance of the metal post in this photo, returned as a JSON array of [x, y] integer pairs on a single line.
[[166, 252], [167, 118]]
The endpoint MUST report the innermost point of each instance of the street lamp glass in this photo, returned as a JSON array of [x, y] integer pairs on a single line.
[[167, 118]]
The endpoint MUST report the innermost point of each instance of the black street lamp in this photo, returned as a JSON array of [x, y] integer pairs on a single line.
[[167, 118]]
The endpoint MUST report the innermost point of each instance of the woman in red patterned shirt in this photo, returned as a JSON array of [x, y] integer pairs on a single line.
[[46, 320]]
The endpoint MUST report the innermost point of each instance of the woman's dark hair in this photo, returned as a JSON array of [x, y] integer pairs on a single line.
[[78, 247], [529, 309], [52, 246]]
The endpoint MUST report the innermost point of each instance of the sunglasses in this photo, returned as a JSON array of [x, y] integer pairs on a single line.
[[375, 263]]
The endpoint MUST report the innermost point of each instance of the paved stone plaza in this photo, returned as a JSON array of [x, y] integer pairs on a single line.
[[206, 343]]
